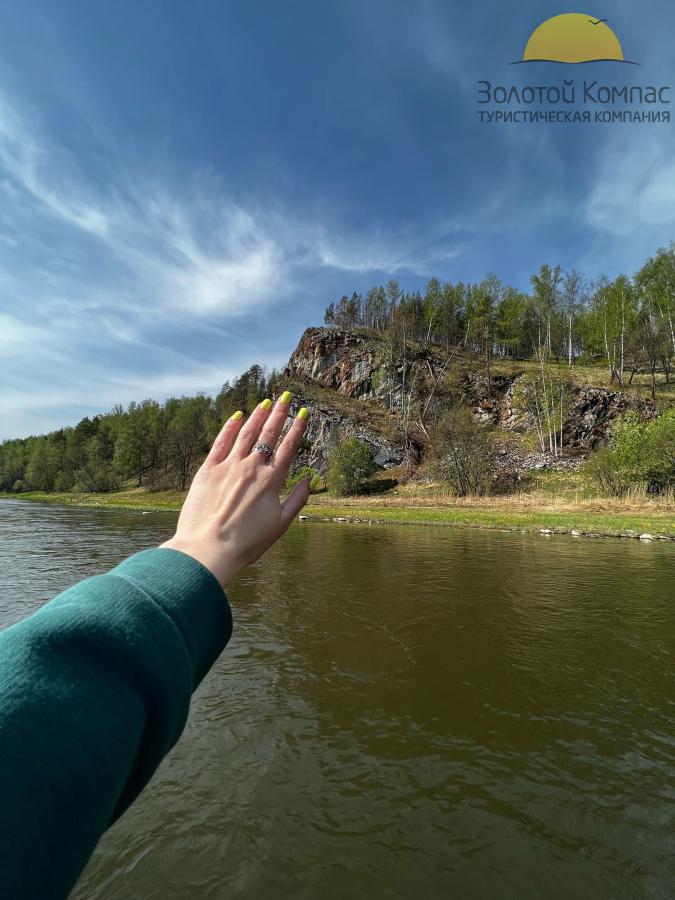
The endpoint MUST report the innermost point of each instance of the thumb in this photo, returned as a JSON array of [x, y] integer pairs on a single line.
[[295, 501]]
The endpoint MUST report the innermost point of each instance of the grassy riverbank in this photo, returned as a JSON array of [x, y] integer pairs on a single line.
[[427, 505]]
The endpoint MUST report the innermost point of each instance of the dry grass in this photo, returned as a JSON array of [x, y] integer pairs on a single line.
[[597, 376], [434, 496]]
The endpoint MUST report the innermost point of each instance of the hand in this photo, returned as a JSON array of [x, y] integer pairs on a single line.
[[232, 512]]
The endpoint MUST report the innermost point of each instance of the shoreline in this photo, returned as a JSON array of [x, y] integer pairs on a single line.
[[503, 516]]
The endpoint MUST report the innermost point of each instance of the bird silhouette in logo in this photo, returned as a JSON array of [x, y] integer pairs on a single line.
[[596, 21]]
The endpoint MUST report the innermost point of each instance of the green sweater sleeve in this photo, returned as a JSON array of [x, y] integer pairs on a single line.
[[94, 691]]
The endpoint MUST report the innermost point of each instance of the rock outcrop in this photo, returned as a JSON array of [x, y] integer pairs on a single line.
[[356, 365], [493, 404], [328, 426], [596, 409], [588, 421], [342, 360]]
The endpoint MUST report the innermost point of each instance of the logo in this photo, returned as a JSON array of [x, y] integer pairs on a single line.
[[573, 38]]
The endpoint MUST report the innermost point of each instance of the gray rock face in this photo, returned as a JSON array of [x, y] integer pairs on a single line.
[[353, 363], [596, 409], [327, 427], [515, 460], [494, 406], [341, 360]]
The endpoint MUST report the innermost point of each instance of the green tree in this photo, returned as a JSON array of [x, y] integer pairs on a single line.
[[432, 307], [655, 283], [547, 398], [483, 315], [43, 465], [133, 447], [658, 277], [611, 320], [186, 437], [573, 294], [13, 462], [97, 470], [546, 296], [510, 323], [350, 466]]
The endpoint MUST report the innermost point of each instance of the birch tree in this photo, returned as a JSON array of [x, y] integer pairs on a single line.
[[572, 299]]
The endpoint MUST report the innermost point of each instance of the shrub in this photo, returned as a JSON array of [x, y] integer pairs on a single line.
[[350, 466], [639, 455], [661, 439], [463, 452]]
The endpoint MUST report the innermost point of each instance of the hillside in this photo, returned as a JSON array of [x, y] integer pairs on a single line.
[[354, 385]]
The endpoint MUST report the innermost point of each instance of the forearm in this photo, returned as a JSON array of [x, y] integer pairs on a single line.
[[94, 691]]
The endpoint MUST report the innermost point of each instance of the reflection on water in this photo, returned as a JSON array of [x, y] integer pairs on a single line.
[[401, 713]]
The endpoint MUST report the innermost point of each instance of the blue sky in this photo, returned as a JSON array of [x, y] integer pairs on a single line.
[[185, 187]]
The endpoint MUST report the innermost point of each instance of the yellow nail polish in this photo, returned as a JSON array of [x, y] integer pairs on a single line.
[[236, 416], [266, 404], [303, 413], [286, 397]]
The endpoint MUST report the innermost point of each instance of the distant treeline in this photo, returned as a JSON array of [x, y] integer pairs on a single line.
[[157, 445], [627, 322]]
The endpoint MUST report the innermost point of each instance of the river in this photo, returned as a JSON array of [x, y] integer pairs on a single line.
[[402, 712]]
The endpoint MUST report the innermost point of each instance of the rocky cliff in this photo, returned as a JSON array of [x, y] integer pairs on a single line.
[[359, 369], [362, 366], [344, 361]]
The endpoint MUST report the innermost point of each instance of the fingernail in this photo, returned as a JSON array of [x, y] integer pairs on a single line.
[[266, 404], [286, 397], [303, 413], [236, 416]]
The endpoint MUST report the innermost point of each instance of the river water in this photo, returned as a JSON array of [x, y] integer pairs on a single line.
[[402, 712]]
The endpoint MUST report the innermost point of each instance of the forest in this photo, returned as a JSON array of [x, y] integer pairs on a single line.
[[627, 324]]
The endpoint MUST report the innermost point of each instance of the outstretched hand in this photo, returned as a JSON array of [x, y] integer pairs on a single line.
[[232, 512]]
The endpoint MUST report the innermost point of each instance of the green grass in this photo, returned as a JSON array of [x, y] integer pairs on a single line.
[[587, 522], [137, 499]]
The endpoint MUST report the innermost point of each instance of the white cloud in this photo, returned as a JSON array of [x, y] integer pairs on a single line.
[[237, 266], [165, 250], [28, 164], [155, 238], [634, 186], [17, 338], [116, 289], [369, 257]]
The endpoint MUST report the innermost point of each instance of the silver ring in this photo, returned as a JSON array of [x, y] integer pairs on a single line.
[[265, 449]]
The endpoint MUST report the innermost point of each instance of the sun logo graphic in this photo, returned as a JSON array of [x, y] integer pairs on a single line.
[[573, 38]]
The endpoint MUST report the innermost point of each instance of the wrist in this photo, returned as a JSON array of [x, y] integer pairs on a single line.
[[214, 559]]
